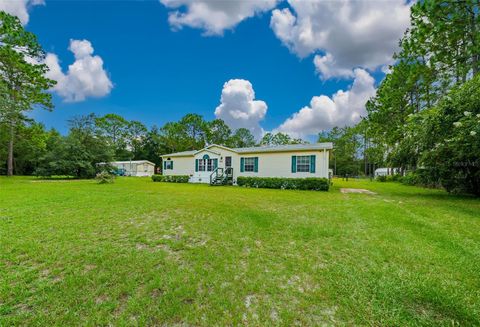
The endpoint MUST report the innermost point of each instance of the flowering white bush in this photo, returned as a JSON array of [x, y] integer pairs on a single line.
[[449, 140]]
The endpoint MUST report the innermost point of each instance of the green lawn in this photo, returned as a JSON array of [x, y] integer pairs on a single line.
[[143, 253]]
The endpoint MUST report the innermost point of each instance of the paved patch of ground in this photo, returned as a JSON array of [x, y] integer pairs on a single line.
[[356, 190]]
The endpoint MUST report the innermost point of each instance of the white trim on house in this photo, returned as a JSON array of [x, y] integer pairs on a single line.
[[213, 145], [268, 161], [206, 150]]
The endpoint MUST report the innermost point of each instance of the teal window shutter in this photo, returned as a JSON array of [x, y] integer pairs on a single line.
[[255, 167], [171, 164], [312, 163], [294, 164], [196, 164], [242, 165], [164, 165], [215, 164]]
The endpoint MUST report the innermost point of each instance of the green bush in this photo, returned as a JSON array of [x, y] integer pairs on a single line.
[[105, 177], [410, 179], [389, 178], [311, 183], [421, 177], [171, 178], [396, 178]]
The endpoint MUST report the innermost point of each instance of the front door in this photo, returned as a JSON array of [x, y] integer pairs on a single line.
[[228, 162]]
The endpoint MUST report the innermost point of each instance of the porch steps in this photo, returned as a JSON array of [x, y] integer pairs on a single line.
[[218, 177]]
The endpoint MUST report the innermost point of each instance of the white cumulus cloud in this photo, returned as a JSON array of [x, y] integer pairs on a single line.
[[238, 107], [19, 8], [86, 77], [344, 34], [323, 113], [214, 16]]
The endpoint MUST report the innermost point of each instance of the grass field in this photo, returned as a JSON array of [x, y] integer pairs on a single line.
[[143, 253]]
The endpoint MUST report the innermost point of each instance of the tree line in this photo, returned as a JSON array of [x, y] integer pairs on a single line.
[[92, 139]]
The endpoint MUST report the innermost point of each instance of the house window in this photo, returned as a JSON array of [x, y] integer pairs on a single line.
[[303, 164], [168, 164], [209, 164], [249, 164], [201, 165], [205, 164]]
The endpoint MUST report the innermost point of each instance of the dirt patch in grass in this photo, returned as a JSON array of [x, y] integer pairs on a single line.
[[356, 190]]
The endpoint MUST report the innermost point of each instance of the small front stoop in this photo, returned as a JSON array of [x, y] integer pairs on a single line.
[[221, 177]]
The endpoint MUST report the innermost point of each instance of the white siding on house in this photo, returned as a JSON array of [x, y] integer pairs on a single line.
[[279, 164], [181, 166]]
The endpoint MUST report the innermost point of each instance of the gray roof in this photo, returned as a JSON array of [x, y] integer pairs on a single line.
[[180, 154], [287, 147], [259, 149]]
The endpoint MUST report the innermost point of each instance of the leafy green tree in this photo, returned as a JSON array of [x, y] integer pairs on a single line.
[[217, 132], [30, 145], [152, 146], [242, 138], [447, 33], [279, 139], [22, 76], [347, 147], [172, 138], [78, 153], [388, 113], [115, 128], [136, 133], [194, 130], [188, 133]]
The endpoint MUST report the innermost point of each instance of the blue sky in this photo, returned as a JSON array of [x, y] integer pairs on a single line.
[[162, 69]]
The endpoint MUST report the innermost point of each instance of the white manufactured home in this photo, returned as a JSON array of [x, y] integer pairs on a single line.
[[138, 168], [386, 171], [215, 161]]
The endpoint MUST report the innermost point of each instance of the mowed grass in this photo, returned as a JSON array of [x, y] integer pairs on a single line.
[[143, 253]]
